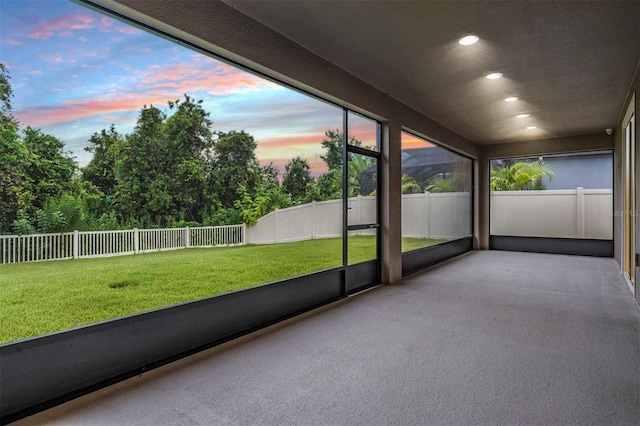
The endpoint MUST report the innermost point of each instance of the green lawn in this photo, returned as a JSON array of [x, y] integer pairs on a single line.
[[42, 297]]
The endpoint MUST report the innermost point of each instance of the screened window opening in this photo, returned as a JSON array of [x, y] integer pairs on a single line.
[[158, 173], [436, 194], [554, 196]]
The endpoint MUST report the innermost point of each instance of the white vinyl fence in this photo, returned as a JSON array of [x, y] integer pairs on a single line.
[[321, 219], [579, 213], [441, 216], [424, 215], [572, 213], [79, 245]]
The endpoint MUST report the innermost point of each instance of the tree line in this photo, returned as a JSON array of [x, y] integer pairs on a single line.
[[172, 170]]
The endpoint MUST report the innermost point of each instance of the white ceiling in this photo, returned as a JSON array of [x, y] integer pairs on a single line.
[[571, 63]]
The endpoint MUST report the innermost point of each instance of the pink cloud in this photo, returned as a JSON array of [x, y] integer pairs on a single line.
[[300, 143], [128, 30], [316, 164], [75, 109], [63, 25], [412, 142], [13, 42], [364, 131], [55, 59], [116, 120], [48, 57], [281, 150], [105, 23], [222, 80], [66, 25]]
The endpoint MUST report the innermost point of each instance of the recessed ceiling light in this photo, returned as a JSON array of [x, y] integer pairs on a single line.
[[511, 99], [522, 115], [468, 40], [494, 75], [532, 127]]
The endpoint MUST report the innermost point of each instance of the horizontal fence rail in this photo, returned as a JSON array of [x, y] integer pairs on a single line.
[[33, 248], [83, 245]]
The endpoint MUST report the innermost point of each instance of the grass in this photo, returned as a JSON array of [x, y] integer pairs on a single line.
[[43, 297]]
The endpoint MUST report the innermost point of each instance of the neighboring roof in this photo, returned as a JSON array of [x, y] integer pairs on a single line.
[[422, 164]]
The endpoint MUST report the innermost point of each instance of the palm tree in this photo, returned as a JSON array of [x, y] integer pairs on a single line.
[[356, 167], [409, 185], [521, 176], [459, 181]]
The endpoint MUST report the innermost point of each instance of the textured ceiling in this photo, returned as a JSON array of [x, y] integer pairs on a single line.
[[570, 63]]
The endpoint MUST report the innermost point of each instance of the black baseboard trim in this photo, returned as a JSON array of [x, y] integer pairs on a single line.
[[416, 260], [573, 246]]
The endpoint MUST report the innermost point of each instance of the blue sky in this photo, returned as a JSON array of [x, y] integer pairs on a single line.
[[75, 71]]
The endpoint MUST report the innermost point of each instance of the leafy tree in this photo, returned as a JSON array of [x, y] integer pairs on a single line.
[[13, 157], [269, 175], [140, 168], [34, 168], [296, 178], [332, 143], [190, 141], [234, 165], [219, 217], [49, 169], [253, 206], [162, 167], [101, 169], [521, 176], [409, 185]]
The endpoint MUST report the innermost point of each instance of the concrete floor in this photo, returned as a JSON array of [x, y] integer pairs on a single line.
[[489, 338]]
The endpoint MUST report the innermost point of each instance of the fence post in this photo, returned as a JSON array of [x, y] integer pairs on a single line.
[[187, 238], [313, 220], [427, 222], [244, 234], [580, 212], [276, 225], [76, 241], [136, 241]]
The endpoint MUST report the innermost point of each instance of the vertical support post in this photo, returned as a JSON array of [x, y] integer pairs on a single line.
[[390, 177], [276, 226], [136, 241], [580, 212], [76, 241], [187, 237]]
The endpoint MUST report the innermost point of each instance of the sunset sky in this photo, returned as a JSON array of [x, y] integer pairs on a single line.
[[75, 71]]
